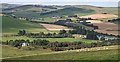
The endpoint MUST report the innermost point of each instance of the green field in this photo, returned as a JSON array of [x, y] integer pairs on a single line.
[[12, 25], [110, 54]]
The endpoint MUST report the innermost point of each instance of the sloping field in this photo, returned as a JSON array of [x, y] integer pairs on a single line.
[[105, 27], [13, 25], [99, 16], [52, 27]]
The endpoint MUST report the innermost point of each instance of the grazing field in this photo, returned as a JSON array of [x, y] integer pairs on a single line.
[[99, 16], [108, 54], [105, 27], [52, 27]]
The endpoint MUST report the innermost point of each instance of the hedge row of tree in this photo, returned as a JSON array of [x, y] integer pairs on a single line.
[[61, 34], [60, 46]]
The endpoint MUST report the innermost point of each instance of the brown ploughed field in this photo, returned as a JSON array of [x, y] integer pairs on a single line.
[[106, 27], [52, 27]]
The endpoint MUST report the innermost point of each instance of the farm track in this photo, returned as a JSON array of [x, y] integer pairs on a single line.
[[78, 50]]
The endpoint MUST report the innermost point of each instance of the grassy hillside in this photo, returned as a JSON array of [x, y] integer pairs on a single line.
[[11, 25]]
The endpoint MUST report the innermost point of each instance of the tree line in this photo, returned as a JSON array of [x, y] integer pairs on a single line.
[[61, 34]]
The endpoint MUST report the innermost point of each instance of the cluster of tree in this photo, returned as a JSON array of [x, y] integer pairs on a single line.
[[115, 20], [89, 24], [22, 32], [63, 22], [72, 16], [79, 30], [84, 19]]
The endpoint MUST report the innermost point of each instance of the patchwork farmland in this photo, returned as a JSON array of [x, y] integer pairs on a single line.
[[59, 32]]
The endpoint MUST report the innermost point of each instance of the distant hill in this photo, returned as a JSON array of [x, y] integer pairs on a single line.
[[37, 11]]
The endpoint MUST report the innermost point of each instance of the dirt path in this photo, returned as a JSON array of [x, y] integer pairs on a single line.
[[78, 50]]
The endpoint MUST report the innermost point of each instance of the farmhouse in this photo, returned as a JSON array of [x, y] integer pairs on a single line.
[[24, 44]]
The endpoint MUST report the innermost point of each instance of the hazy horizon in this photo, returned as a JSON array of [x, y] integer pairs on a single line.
[[105, 3]]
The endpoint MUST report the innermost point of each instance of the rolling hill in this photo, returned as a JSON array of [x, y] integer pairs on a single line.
[[36, 11]]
